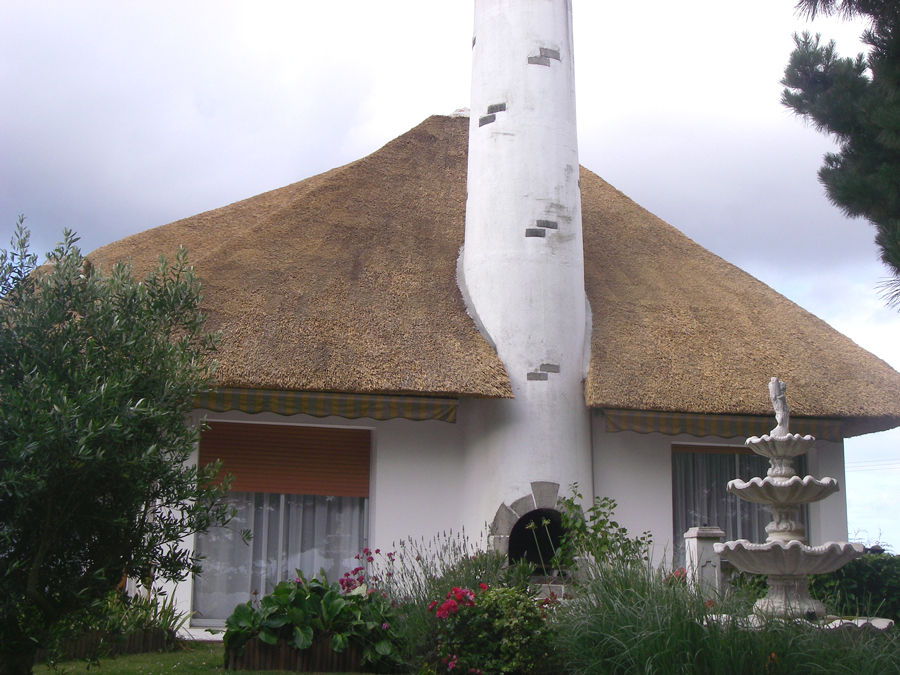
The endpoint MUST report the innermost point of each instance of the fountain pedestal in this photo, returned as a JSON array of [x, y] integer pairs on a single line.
[[785, 557]]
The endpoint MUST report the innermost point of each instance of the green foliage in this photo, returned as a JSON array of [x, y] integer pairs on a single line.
[[632, 618], [97, 374], [867, 586], [112, 619], [858, 102], [302, 611], [593, 535], [497, 630], [121, 614], [420, 571]]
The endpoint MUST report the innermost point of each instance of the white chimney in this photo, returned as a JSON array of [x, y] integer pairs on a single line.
[[522, 267]]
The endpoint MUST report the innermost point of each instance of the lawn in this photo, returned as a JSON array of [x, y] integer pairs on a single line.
[[192, 658]]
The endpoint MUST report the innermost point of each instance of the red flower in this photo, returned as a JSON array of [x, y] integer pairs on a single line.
[[448, 608], [483, 587], [432, 605]]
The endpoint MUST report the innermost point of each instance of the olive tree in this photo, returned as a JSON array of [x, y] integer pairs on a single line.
[[97, 375]]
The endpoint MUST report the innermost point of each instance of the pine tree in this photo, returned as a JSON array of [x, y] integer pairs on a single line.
[[857, 101]]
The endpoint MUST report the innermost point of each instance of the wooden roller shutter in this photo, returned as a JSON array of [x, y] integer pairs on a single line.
[[287, 459]]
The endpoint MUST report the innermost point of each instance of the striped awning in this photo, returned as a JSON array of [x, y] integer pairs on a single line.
[[325, 404], [724, 426]]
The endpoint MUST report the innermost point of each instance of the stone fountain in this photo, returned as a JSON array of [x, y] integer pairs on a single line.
[[785, 557]]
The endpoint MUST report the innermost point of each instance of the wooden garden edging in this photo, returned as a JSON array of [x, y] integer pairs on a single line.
[[319, 657], [104, 644]]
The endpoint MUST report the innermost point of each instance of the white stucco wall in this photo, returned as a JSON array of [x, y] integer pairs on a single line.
[[828, 518], [636, 471]]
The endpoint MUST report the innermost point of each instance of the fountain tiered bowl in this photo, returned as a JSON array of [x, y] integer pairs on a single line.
[[793, 490], [789, 557], [785, 557]]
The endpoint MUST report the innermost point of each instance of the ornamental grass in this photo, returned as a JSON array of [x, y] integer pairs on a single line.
[[631, 619]]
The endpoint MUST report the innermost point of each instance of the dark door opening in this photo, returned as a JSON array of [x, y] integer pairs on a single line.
[[535, 538]]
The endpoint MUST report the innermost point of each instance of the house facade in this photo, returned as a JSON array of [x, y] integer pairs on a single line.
[[452, 331]]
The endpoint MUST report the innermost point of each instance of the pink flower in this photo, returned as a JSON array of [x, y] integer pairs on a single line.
[[384, 626], [432, 605], [366, 551], [377, 551], [370, 559]]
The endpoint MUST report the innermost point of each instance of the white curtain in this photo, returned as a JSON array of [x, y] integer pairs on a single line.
[[290, 532], [699, 496]]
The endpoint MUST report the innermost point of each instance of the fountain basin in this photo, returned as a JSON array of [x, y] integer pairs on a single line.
[[788, 558], [777, 490], [775, 447]]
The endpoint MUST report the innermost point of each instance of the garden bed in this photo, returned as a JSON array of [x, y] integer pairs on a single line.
[[102, 643], [319, 657]]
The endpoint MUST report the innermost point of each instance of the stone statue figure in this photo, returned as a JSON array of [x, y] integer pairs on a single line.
[[779, 403]]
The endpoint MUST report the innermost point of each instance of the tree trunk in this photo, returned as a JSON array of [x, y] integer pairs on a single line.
[[17, 661]]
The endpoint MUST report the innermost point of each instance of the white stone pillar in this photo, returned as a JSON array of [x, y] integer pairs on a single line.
[[522, 268], [702, 563]]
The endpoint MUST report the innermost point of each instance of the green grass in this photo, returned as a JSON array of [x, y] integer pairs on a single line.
[[192, 658], [630, 620]]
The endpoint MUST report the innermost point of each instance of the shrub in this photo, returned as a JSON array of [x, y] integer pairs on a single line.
[[867, 586], [593, 535], [497, 630], [420, 571], [302, 611]]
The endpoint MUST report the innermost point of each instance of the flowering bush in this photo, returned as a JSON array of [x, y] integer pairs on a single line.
[[497, 630], [302, 611], [364, 575]]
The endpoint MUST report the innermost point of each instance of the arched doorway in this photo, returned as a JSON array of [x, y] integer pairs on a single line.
[[535, 538]]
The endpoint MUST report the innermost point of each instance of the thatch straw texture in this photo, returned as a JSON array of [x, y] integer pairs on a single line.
[[677, 328], [346, 282]]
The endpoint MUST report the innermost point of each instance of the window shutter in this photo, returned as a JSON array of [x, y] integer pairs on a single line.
[[286, 459]]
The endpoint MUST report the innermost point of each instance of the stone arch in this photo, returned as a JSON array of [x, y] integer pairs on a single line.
[[543, 495]]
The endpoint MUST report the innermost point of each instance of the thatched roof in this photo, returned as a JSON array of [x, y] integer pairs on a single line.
[[678, 329], [346, 281]]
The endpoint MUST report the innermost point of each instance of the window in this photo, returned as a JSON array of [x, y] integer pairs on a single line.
[[700, 475], [303, 494]]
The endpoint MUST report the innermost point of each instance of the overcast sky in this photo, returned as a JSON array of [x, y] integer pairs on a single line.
[[117, 116]]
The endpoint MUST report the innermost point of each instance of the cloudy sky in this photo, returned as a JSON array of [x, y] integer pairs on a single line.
[[118, 116]]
